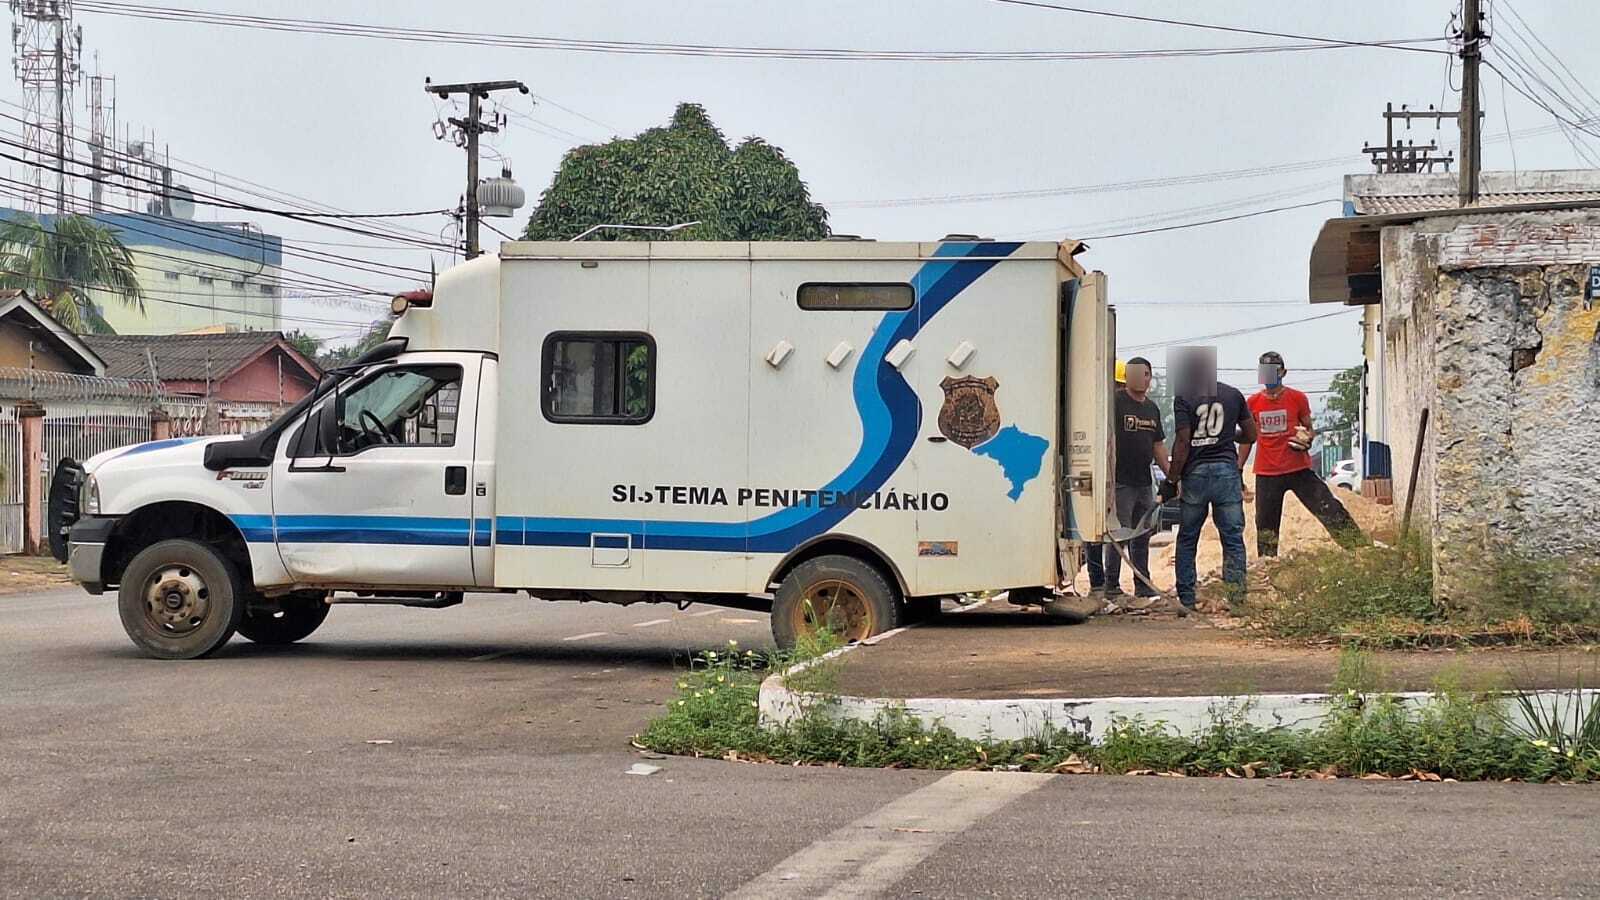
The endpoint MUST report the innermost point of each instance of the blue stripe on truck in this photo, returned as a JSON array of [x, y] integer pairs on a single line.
[[414, 530]]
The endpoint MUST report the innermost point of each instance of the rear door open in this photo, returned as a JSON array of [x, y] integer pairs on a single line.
[[1088, 355]]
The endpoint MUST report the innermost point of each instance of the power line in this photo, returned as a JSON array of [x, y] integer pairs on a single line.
[[1234, 218], [656, 48], [1231, 29], [211, 200], [310, 280], [1235, 332]]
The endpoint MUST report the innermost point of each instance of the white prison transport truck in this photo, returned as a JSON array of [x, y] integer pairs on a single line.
[[838, 431]]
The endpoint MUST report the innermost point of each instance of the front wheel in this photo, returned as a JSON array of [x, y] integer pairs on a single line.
[[850, 598], [180, 599], [298, 617]]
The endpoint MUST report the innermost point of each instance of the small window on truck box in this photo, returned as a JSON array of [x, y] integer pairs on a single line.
[[847, 295], [598, 377]]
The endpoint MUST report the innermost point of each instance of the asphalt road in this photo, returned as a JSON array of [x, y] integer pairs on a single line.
[[250, 774]]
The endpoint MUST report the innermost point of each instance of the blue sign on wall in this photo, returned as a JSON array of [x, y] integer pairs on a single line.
[[1593, 290]]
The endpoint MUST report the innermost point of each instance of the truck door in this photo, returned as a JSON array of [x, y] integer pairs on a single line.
[[382, 494], [1088, 340]]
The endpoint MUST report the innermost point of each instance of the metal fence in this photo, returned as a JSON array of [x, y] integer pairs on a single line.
[[10, 480], [40, 386], [80, 430]]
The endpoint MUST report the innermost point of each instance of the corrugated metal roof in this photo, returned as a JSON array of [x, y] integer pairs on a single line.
[[183, 357], [1402, 204]]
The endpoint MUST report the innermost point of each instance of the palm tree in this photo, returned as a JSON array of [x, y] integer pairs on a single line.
[[59, 265]]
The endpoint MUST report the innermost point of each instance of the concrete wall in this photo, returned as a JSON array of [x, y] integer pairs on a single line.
[[14, 352], [1410, 382], [1486, 324]]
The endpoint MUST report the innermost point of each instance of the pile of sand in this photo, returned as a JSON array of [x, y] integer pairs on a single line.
[[1300, 531]]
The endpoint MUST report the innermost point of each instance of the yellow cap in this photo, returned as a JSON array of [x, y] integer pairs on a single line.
[[1122, 372]]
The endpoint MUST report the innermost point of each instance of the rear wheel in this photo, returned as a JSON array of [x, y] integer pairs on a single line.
[[180, 599], [298, 617], [850, 598]]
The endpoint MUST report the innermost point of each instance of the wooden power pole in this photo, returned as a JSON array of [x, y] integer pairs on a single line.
[[1472, 38], [471, 126]]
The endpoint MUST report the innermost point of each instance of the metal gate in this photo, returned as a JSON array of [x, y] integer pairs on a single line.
[[10, 480], [80, 430]]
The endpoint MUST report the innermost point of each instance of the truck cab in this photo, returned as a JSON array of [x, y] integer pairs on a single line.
[[838, 433]]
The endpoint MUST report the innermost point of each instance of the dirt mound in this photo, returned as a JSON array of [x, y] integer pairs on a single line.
[[1300, 531]]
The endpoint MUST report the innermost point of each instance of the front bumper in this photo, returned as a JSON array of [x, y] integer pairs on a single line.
[[86, 547]]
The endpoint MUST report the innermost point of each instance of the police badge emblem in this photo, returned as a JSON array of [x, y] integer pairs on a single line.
[[969, 416]]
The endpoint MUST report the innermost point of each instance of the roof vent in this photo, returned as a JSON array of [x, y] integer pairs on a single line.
[[846, 237], [964, 237]]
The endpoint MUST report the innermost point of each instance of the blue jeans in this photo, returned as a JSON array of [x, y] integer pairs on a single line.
[[1215, 487]]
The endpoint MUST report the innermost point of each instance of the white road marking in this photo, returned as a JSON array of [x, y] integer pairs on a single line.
[[647, 624], [586, 635], [870, 855], [705, 612]]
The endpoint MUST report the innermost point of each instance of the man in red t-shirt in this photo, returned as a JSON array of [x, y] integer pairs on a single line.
[[1283, 464]]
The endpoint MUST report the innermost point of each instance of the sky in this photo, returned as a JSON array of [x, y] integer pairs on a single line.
[[346, 121]]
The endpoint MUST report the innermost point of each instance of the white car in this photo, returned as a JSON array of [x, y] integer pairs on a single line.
[[1345, 475]]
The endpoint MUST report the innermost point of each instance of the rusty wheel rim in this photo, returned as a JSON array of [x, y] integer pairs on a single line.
[[839, 605], [176, 600]]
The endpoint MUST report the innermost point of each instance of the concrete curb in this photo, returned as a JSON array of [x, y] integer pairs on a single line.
[[1022, 718]]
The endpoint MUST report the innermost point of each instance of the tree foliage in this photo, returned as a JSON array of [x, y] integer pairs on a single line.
[[59, 264], [1344, 399], [376, 333], [309, 345], [683, 172]]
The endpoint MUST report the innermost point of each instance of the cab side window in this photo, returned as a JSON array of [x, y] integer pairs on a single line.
[[414, 406], [598, 377]]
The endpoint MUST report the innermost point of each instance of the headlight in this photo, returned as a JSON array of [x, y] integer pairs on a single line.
[[89, 497]]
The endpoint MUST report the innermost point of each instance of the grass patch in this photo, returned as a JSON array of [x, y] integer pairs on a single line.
[[1383, 596], [1457, 735]]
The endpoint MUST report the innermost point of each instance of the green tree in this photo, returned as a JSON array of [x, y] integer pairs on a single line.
[[1342, 409], [683, 172], [60, 263], [376, 333], [309, 346], [1344, 401]]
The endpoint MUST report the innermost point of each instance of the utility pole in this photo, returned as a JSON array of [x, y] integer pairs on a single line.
[[471, 126], [1472, 37], [1403, 157]]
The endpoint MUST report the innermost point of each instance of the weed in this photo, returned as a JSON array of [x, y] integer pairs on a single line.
[[1383, 596], [1455, 734]]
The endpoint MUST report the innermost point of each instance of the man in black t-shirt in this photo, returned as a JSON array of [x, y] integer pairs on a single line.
[[1141, 442], [1205, 472]]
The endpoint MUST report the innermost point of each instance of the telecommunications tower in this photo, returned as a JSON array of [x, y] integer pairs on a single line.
[[47, 59]]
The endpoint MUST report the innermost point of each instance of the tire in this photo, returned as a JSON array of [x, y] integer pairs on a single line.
[[300, 616], [180, 599], [868, 603]]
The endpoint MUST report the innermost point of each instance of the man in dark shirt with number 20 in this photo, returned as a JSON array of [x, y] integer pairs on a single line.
[[1205, 467]]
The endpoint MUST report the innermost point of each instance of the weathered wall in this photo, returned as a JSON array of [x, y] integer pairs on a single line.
[[1486, 323], [15, 353], [1410, 383]]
